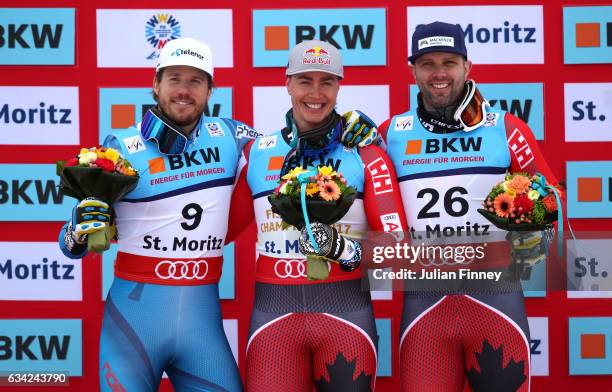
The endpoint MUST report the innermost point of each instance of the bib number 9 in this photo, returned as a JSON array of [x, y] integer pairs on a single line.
[[192, 212]]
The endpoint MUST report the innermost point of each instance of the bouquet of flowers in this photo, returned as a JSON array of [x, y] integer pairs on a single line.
[[521, 203], [301, 197], [98, 172], [328, 198]]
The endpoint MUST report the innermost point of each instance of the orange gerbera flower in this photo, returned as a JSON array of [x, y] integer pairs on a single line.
[[503, 204], [329, 190]]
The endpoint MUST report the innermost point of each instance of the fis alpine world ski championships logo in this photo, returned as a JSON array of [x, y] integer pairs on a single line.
[[161, 28], [316, 55]]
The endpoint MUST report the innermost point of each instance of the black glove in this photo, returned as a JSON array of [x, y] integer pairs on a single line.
[[359, 130], [331, 245]]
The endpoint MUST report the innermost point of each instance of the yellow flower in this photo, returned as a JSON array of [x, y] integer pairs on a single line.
[[112, 154], [293, 173], [505, 185], [83, 151], [326, 171], [311, 189], [533, 195], [510, 192]]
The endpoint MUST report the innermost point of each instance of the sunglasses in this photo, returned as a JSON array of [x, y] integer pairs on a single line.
[[472, 112], [169, 138]]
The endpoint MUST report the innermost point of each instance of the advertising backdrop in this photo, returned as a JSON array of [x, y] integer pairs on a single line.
[[73, 71]]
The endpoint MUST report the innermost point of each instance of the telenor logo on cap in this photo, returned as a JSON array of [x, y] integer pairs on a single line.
[[316, 55], [187, 52], [436, 41]]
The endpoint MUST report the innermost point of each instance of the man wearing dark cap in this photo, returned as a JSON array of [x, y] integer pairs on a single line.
[[313, 329], [448, 153]]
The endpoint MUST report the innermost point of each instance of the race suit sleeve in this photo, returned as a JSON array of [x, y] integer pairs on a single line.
[[525, 153], [241, 207], [67, 245], [382, 133], [381, 195], [243, 134]]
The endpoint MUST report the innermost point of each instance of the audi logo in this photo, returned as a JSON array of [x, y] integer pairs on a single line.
[[291, 268], [182, 269]]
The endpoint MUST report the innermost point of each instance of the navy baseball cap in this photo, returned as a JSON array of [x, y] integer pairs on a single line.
[[437, 37]]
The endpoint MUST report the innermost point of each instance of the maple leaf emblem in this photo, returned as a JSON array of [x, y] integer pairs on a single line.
[[341, 377], [493, 373]]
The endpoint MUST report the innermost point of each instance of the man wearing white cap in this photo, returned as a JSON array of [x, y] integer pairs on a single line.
[[162, 312], [313, 329]]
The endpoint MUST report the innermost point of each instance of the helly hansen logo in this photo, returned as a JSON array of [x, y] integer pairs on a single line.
[[381, 178], [520, 148]]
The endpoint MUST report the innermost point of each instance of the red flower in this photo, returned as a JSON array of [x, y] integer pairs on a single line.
[[105, 164], [550, 202], [524, 202], [72, 162]]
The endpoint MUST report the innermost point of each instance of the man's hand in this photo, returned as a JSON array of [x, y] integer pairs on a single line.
[[332, 246], [359, 130], [89, 216]]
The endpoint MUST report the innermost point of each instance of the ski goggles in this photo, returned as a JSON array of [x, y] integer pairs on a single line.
[[472, 112], [169, 138]]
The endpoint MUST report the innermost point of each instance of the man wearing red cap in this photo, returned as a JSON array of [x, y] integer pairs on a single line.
[[312, 331]]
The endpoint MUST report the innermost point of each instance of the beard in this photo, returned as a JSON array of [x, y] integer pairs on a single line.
[[441, 102], [183, 120]]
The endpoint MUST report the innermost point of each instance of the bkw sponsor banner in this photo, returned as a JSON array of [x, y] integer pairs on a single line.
[[587, 35], [524, 100], [121, 108], [29, 192], [37, 36], [41, 345], [359, 33], [590, 345], [589, 189]]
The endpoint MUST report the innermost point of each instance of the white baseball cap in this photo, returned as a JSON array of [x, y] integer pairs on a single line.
[[186, 51]]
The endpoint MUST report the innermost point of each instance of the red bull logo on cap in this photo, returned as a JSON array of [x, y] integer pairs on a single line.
[[316, 55]]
